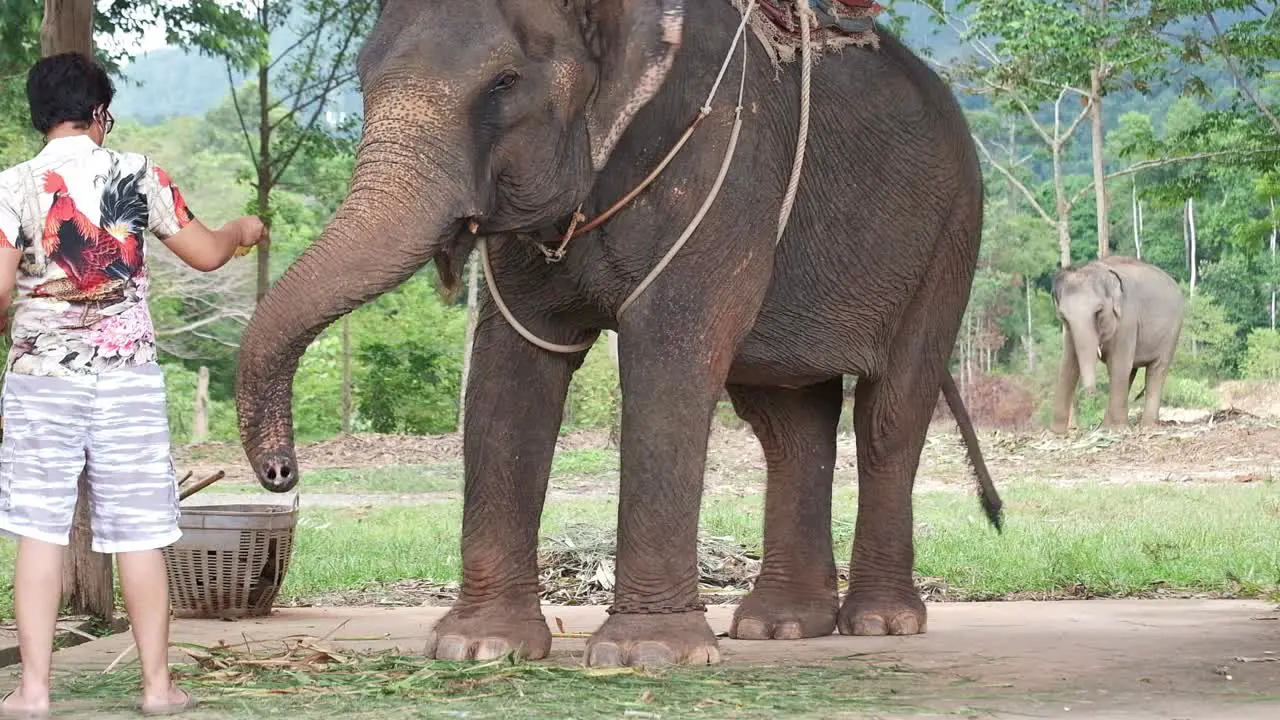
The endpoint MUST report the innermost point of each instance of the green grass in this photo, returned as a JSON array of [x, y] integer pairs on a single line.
[[1106, 540], [585, 462], [1113, 540], [391, 686]]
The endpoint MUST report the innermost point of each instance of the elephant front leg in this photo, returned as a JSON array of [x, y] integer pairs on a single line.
[[1064, 394], [515, 397], [795, 593], [1119, 372], [669, 390]]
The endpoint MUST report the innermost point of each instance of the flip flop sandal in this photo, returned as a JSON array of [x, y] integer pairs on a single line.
[[177, 708], [14, 714]]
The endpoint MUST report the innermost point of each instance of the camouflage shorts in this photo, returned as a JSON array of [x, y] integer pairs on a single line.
[[116, 426]]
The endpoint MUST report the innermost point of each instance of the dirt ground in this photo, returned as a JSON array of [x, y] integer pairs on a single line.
[[1157, 659], [1165, 659]]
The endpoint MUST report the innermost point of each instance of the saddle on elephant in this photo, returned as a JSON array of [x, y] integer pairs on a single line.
[[837, 24]]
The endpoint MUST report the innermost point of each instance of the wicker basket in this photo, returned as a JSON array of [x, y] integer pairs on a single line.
[[231, 559]]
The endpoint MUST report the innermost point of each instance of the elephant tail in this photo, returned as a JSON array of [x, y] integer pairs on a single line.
[[991, 503]]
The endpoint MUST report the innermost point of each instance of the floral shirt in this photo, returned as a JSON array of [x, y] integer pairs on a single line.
[[78, 212]]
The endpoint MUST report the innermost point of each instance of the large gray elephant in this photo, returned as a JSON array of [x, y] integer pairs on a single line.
[[502, 117], [1128, 314]]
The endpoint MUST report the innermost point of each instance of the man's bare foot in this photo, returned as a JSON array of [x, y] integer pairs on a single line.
[[171, 701], [25, 704]]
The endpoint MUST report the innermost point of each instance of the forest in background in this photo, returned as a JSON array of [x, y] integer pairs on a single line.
[[1186, 141]]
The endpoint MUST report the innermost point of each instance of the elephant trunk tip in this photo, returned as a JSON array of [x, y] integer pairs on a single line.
[[277, 472]]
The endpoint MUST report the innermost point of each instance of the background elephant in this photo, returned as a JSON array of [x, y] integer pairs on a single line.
[[1127, 313], [506, 115]]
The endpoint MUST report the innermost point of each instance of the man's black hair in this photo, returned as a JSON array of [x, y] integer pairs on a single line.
[[67, 88]]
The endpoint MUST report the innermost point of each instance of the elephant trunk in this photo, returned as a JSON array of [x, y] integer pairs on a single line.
[[381, 235], [1084, 337]]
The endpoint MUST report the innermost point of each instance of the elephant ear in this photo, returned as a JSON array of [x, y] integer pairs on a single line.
[[1114, 290], [635, 43]]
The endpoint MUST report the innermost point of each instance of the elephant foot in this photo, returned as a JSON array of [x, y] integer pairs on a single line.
[[651, 640], [780, 614], [869, 613], [469, 633]]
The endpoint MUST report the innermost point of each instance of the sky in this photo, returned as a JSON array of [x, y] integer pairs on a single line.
[[153, 39]]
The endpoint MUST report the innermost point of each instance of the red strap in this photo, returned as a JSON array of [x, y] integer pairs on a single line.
[[860, 4]]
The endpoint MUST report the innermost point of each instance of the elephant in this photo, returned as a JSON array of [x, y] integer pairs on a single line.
[[1126, 313], [496, 121]]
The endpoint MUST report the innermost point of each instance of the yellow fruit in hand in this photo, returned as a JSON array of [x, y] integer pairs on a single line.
[[242, 251]]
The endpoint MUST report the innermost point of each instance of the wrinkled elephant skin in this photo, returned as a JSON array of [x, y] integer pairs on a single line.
[[1125, 313], [507, 115]]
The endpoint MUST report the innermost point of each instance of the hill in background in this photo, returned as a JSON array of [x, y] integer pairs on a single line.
[[170, 82]]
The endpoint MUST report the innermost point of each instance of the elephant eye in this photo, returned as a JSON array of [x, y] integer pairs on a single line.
[[504, 81]]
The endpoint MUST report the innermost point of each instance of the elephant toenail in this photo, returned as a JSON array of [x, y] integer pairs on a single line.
[[605, 654], [452, 647], [650, 654], [491, 649], [750, 629], [906, 624], [870, 625], [787, 631]]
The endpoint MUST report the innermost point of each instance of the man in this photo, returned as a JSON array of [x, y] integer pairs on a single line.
[[83, 390]]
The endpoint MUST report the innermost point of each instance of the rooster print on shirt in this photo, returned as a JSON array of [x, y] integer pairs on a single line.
[[79, 214]]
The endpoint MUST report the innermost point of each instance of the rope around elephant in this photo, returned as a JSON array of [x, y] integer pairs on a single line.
[[805, 13]]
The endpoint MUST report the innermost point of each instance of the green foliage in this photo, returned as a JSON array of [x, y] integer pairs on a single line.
[[1209, 346], [409, 348], [593, 394], [1186, 392], [317, 389], [180, 394], [402, 371], [1262, 356]]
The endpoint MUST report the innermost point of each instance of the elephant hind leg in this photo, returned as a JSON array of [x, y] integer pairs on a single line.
[[1157, 373], [892, 411], [891, 417], [795, 594]]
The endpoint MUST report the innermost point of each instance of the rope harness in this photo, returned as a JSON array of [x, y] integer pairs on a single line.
[[578, 225]]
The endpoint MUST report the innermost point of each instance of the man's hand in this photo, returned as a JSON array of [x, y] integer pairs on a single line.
[[252, 231], [207, 250]]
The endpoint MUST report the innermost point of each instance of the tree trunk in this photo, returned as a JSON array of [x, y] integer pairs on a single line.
[[200, 423], [1013, 164], [348, 409], [87, 582], [1099, 171], [1186, 236], [264, 169], [1031, 343], [67, 27], [473, 316], [87, 586], [1274, 232], [1191, 227], [1137, 222], [1064, 210]]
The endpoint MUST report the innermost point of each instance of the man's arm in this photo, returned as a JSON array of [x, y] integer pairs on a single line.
[[174, 223], [207, 250], [10, 256]]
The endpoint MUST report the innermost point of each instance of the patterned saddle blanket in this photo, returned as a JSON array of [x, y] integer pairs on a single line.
[[839, 23]]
